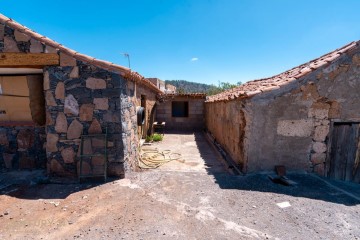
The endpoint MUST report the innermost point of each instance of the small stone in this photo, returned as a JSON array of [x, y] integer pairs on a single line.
[[51, 142], [60, 91], [36, 46], [317, 158], [320, 169], [49, 120], [74, 72], [71, 106], [10, 45], [116, 170], [85, 168], [25, 139], [101, 103], [61, 123], [86, 112], [55, 167], [95, 83], [21, 37], [98, 161], [46, 80], [50, 100], [75, 130], [95, 127], [49, 49], [66, 60], [68, 155], [319, 147], [111, 117], [3, 138], [320, 133]]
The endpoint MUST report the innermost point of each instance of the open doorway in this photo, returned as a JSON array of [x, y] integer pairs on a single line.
[[343, 161]]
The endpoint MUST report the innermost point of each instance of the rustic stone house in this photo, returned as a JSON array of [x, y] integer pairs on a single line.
[[306, 118], [181, 112], [50, 95]]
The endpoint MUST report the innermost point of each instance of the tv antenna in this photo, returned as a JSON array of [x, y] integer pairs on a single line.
[[127, 56]]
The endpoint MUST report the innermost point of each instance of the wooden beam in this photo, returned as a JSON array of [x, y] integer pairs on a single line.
[[32, 60]]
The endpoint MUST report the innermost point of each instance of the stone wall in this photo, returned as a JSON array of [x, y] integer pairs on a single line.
[[195, 120], [22, 147], [80, 99], [290, 126], [83, 99], [226, 122]]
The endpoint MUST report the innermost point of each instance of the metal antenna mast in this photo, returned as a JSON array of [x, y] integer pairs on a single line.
[[128, 57]]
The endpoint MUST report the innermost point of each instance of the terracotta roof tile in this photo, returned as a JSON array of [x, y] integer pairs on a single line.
[[259, 86], [126, 72]]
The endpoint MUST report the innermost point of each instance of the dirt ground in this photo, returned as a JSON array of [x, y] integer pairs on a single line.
[[168, 203]]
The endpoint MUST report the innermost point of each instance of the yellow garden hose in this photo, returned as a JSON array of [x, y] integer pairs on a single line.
[[153, 158]]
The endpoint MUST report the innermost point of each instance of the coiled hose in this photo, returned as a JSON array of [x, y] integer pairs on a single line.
[[153, 158]]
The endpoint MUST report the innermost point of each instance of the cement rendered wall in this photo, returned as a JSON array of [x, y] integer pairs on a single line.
[[291, 126], [194, 122], [227, 123]]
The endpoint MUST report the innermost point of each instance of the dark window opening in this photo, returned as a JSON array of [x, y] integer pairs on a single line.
[[180, 109]]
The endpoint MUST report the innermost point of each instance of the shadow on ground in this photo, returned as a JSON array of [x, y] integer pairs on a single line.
[[35, 185], [308, 186]]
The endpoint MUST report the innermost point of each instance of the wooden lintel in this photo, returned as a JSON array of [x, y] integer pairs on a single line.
[[31, 60]]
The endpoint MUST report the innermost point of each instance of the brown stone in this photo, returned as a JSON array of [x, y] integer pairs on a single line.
[[320, 133], [356, 59], [74, 72], [61, 123], [71, 106], [116, 170], [95, 127], [3, 138], [10, 45], [319, 147], [101, 103], [95, 83], [68, 155], [2, 31], [66, 60], [51, 142], [334, 111], [49, 120], [87, 148], [98, 142], [98, 161], [46, 80], [36, 46], [75, 129], [60, 91], [49, 49], [8, 158], [111, 117], [21, 37], [317, 158], [25, 139], [85, 168], [86, 112], [50, 100], [320, 169], [55, 167]]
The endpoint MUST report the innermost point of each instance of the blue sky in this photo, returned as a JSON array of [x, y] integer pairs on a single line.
[[203, 41]]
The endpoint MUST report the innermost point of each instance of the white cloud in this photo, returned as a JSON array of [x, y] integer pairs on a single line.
[[194, 59]]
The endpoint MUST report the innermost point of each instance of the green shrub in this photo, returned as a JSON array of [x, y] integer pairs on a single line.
[[157, 137], [149, 138]]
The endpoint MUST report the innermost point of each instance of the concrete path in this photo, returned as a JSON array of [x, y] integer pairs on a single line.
[[197, 155]]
